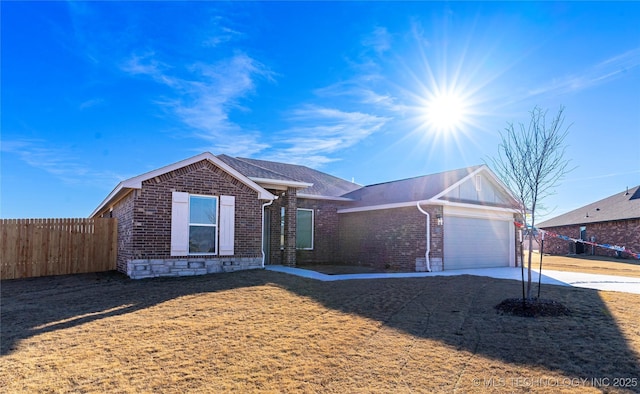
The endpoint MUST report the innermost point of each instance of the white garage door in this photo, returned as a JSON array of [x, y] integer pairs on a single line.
[[475, 243]]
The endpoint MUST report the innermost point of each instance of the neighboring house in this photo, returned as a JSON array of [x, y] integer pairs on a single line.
[[214, 213], [614, 220]]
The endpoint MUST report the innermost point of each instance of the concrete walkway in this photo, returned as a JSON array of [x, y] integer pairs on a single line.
[[560, 278]]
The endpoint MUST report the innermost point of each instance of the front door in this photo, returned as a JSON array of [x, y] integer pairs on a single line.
[[580, 249]]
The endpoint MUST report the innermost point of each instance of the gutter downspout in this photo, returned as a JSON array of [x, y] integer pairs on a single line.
[[262, 243], [426, 254]]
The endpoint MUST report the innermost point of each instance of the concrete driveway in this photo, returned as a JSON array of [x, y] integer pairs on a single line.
[[560, 278]]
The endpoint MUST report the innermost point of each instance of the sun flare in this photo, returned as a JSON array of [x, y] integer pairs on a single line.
[[445, 112]]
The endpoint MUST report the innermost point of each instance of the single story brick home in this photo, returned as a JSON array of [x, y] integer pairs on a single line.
[[216, 213], [614, 220]]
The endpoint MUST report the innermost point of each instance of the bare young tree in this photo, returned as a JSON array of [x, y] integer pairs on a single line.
[[531, 163]]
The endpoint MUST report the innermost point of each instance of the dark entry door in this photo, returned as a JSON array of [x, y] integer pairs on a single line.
[[580, 249]]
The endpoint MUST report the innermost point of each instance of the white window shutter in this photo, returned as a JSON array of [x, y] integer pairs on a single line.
[[179, 224], [227, 224]]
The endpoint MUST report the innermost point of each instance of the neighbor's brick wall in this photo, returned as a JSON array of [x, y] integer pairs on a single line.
[[389, 239], [620, 232]]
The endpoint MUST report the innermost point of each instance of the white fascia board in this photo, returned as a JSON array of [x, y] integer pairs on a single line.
[[111, 198], [136, 182], [278, 183], [448, 189], [318, 197], [387, 206], [427, 202]]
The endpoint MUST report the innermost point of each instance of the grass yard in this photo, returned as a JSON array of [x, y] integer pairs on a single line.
[[589, 264], [262, 331], [583, 263]]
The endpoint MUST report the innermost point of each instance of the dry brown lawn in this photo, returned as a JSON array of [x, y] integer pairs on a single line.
[[582, 263], [262, 331], [589, 264]]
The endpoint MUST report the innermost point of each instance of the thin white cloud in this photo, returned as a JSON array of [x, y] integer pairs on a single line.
[[605, 71], [91, 103], [360, 89], [322, 131], [368, 86], [206, 95], [60, 162], [221, 34], [147, 64], [360, 106], [379, 40]]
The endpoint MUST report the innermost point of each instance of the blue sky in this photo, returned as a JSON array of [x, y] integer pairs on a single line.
[[97, 92]]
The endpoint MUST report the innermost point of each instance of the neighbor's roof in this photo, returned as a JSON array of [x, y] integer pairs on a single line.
[[411, 189], [262, 171], [620, 206]]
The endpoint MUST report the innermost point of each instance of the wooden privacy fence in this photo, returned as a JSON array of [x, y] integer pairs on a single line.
[[40, 247]]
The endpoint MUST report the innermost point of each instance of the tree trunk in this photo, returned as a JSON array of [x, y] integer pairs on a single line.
[[530, 257]]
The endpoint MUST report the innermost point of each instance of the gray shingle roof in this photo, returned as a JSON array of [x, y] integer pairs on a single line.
[[246, 168], [323, 184], [408, 190], [620, 206]]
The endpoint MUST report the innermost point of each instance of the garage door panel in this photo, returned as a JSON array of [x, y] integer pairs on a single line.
[[475, 243]]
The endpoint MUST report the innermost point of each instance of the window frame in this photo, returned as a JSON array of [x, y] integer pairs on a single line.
[[216, 226], [283, 213], [312, 227]]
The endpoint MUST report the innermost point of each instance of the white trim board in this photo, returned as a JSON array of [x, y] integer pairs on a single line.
[[136, 182], [427, 202]]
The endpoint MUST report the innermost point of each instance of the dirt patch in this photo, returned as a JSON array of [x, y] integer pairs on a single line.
[[532, 308], [263, 331]]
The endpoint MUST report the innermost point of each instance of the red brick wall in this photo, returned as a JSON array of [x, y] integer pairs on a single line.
[[620, 232], [390, 239], [123, 211], [326, 241], [144, 216]]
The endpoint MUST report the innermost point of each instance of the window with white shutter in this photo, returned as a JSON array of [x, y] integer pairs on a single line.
[[196, 228], [227, 225], [179, 224]]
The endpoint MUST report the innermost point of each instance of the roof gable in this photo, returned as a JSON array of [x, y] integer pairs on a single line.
[[455, 186], [479, 188], [620, 206], [136, 182]]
